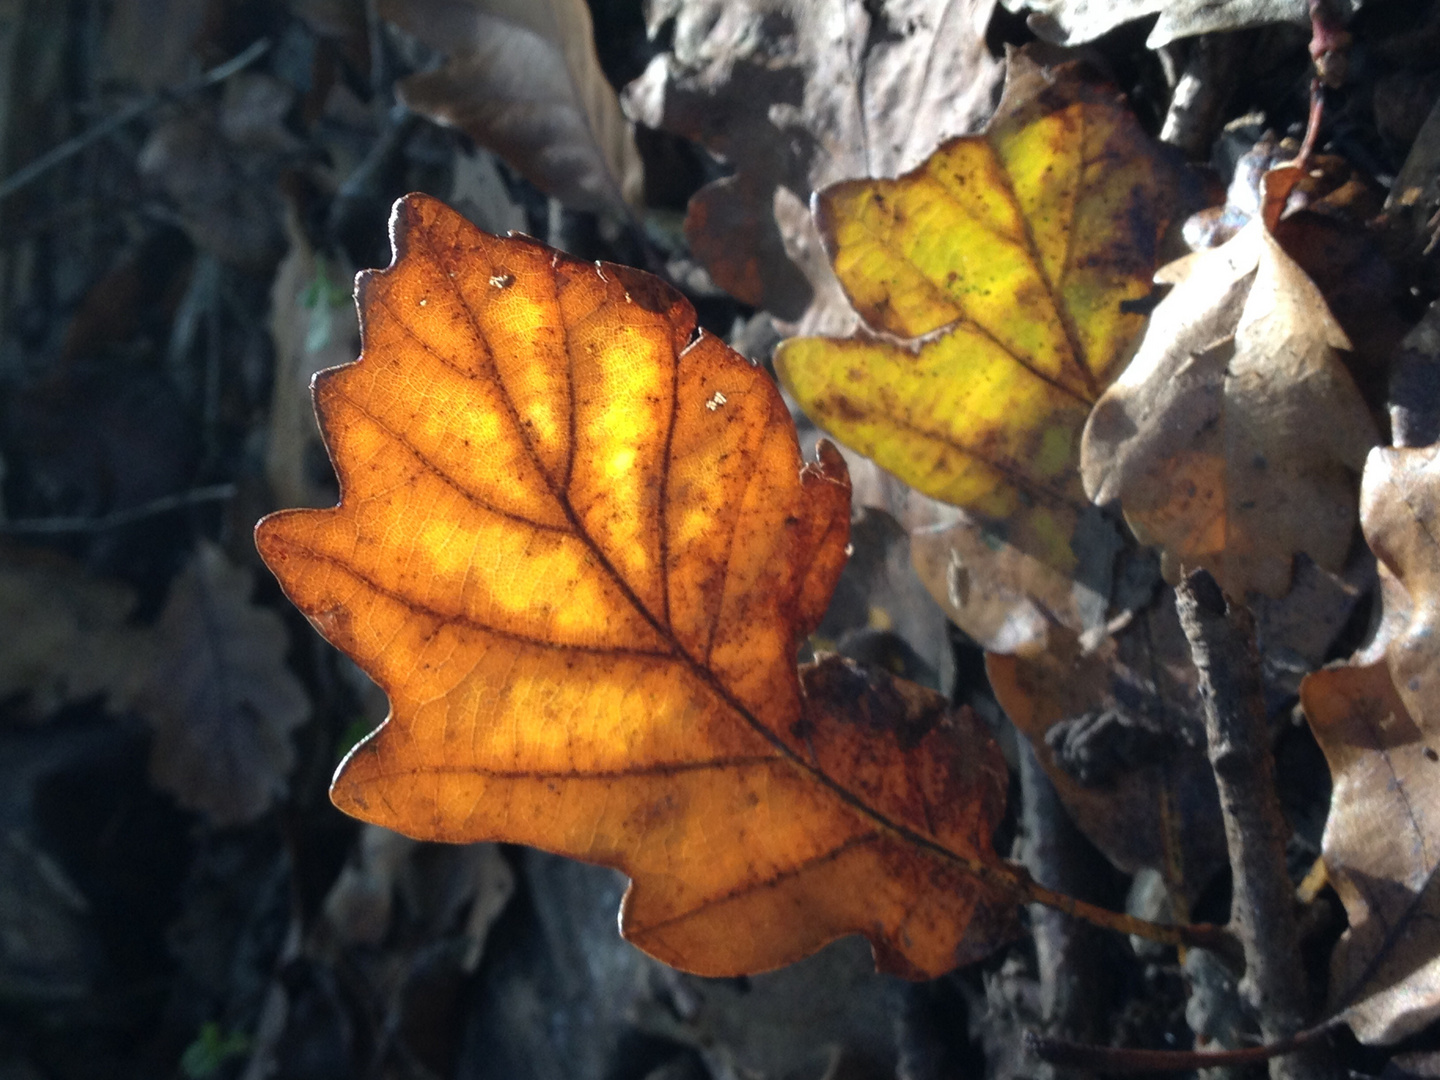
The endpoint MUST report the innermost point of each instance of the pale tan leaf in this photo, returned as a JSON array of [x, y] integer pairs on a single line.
[[1379, 724], [1233, 438]]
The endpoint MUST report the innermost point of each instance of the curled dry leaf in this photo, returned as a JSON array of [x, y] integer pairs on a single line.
[[577, 547], [1378, 723], [1008, 260], [798, 94], [1233, 438], [219, 696], [523, 80]]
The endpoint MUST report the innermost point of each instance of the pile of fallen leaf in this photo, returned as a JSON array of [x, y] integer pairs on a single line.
[[1075, 340]]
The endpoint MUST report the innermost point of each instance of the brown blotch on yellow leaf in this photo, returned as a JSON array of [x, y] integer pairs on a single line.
[[577, 547], [1378, 721], [1010, 265]]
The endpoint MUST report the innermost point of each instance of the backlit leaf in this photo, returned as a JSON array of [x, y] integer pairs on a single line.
[[1009, 261], [578, 550]]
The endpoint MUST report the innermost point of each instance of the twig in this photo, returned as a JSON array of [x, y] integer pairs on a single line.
[[68, 149], [1120, 1059], [1222, 645], [163, 505]]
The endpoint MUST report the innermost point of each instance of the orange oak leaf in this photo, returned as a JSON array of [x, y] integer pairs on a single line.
[[577, 547]]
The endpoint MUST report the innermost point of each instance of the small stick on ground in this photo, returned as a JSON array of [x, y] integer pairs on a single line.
[[1262, 912]]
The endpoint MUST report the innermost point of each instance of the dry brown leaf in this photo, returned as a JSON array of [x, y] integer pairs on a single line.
[[1232, 439], [523, 80], [880, 612], [797, 95], [219, 696], [68, 636], [1114, 730], [1379, 724], [1006, 599], [1003, 598]]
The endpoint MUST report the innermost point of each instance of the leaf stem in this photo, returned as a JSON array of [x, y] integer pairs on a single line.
[[1190, 935]]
